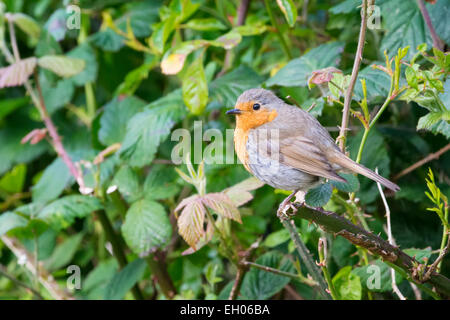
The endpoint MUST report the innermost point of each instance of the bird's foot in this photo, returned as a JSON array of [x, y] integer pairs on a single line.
[[283, 210]]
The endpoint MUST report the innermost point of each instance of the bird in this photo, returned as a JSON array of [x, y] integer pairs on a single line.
[[287, 148]]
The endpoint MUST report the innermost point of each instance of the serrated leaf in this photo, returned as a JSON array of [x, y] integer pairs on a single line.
[[405, 29], [89, 73], [261, 285], [159, 183], [127, 181], [10, 221], [147, 129], [61, 213], [27, 24], [108, 40], [17, 73], [377, 276], [124, 280], [191, 220], [347, 284], [289, 10], [61, 65], [297, 71], [195, 88], [222, 205], [239, 193], [226, 89], [319, 196], [205, 24], [352, 184], [63, 253], [146, 227], [114, 120]]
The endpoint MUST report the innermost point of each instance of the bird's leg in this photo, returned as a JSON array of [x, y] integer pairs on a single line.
[[285, 206]]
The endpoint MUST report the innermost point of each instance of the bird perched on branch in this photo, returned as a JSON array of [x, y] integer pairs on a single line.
[[286, 147]]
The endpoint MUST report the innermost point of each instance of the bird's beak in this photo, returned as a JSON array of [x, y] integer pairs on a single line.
[[234, 111]]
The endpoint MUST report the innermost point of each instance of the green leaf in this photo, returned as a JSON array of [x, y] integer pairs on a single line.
[[113, 123], [319, 196], [61, 213], [376, 277], [195, 88], [11, 150], [276, 238], [261, 285], [100, 276], [405, 29], [159, 183], [54, 180], [13, 181], [289, 10], [347, 284], [439, 13], [352, 184], [61, 65], [27, 24], [8, 106], [205, 24], [226, 89], [124, 280], [10, 221], [297, 71], [146, 227], [86, 53], [64, 253], [161, 32], [57, 96], [377, 83], [419, 254], [108, 40], [141, 15], [147, 129], [56, 25], [127, 181], [345, 6]]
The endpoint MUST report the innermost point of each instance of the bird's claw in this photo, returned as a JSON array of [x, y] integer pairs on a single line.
[[283, 213]]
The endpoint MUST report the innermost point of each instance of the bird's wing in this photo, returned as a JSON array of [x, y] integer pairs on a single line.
[[303, 154]]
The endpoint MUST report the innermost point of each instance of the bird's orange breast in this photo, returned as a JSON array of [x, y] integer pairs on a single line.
[[240, 145]]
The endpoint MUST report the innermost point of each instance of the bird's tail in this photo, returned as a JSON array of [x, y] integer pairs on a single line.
[[351, 165]]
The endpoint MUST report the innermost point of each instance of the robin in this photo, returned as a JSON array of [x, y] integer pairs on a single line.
[[286, 147]]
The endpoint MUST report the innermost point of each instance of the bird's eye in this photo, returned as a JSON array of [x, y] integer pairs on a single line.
[[256, 106]]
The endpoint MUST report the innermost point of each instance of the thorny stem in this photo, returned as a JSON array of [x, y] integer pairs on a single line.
[[286, 49], [331, 222], [437, 43], [306, 257], [354, 76], [278, 272]]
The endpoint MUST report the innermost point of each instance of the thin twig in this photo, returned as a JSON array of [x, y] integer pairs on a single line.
[[242, 269], [44, 277], [240, 20], [286, 49], [390, 239], [430, 157], [354, 76], [437, 42], [438, 260], [271, 270], [323, 264]]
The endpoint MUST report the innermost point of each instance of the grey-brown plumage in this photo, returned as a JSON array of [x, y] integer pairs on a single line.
[[288, 148]]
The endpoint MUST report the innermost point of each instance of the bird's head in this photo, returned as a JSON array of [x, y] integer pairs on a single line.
[[254, 108]]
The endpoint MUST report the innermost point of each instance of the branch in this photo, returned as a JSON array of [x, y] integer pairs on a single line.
[[306, 257], [331, 222], [437, 43], [43, 276], [430, 157], [354, 76], [242, 269], [277, 27]]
